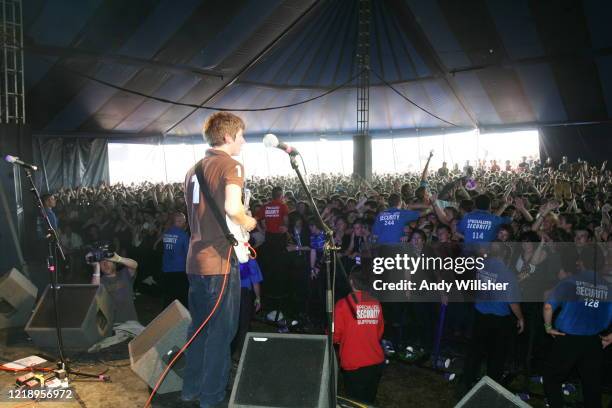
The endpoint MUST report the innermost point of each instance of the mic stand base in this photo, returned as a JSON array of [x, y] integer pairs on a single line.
[[329, 252], [53, 246]]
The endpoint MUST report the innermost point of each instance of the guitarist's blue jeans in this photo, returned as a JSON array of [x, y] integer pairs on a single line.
[[208, 358]]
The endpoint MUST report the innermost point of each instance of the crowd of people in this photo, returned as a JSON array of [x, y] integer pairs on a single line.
[[534, 204]]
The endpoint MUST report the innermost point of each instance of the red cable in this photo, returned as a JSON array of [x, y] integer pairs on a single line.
[[252, 251], [165, 372], [19, 370]]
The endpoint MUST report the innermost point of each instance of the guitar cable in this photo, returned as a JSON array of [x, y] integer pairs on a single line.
[[252, 252], [188, 343]]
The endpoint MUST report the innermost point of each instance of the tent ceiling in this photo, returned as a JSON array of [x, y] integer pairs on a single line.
[[471, 62]]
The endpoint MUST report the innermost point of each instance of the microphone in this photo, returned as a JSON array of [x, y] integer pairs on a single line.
[[271, 140], [15, 160]]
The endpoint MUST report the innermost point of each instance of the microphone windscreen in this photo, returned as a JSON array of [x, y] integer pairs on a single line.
[[9, 158], [270, 140]]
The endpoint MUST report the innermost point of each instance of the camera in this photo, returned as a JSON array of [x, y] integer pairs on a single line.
[[99, 252]]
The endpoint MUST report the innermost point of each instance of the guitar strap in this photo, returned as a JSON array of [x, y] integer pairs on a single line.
[[213, 205]]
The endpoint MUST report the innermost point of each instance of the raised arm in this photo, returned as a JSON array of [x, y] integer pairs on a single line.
[[131, 264], [542, 213], [442, 216], [424, 174], [519, 203], [505, 204]]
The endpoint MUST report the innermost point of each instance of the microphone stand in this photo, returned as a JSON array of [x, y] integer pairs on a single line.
[[329, 252], [53, 247]]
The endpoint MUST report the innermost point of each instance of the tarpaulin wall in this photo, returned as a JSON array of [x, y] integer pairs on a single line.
[[71, 162], [588, 142]]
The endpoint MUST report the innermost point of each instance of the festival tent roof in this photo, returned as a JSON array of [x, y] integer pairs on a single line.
[[103, 67]]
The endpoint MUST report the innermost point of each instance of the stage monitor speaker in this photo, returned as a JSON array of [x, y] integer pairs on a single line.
[[17, 297], [153, 349], [86, 316], [487, 393], [282, 370]]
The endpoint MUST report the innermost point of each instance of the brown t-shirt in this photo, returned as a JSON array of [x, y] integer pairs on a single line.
[[208, 247]]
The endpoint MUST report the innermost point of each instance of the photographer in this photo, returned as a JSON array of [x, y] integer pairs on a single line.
[[117, 275]]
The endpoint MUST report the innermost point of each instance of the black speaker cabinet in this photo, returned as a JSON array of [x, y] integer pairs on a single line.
[[487, 393], [86, 317], [17, 211], [282, 370], [17, 297], [156, 346]]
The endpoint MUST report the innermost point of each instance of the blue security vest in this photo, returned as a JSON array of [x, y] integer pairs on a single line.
[[389, 224], [480, 226], [176, 245], [497, 302], [317, 242], [586, 304], [41, 226]]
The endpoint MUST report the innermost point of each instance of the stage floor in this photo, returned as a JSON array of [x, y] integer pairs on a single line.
[[402, 385]]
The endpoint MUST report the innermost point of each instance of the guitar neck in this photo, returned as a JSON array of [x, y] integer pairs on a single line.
[[247, 200]]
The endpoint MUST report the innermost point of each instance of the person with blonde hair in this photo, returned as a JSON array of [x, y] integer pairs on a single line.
[[212, 267]]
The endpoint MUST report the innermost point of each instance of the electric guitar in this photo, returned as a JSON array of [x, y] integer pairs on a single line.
[[242, 251]]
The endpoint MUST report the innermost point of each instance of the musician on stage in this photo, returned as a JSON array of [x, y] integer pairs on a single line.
[[208, 358]]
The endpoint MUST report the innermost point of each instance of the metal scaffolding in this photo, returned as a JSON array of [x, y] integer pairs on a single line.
[[12, 92], [363, 65]]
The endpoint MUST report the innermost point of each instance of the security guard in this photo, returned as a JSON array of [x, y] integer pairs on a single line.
[[389, 225], [388, 231], [480, 225], [497, 312], [580, 331]]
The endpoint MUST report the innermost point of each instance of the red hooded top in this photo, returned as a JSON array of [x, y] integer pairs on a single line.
[[358, 328]]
